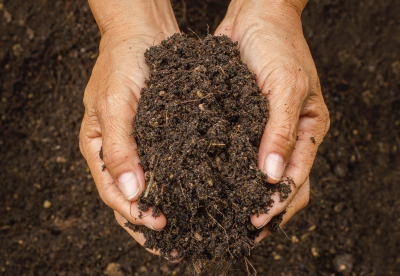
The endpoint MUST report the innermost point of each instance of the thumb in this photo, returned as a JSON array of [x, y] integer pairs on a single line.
[[286, 100], [116, 110]]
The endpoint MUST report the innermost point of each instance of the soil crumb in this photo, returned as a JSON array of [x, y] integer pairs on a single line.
[[198, 129]]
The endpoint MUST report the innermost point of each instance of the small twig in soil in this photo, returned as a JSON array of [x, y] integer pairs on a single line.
[[197, 99], [166, 118], [151, 180], [180, 184], [190, 205], [219, 211], [190, 101], [285, 233], [247, 261], [247, 267], [222, 70], [195, 33], [184, 10], [212, 144], [234, 134], [225, 268], [249, 248], [227, 237], [357, 152]]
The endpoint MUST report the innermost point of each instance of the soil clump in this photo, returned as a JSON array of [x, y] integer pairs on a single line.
[[198, 128]]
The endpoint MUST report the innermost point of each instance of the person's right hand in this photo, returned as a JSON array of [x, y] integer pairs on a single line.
[[128, 28]]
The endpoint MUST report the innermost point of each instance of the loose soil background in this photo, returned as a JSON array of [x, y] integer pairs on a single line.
[[47, 51]]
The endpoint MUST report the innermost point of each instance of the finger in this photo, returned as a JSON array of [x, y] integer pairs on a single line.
[[311, 131], [313, 125], [90, 143], [110, 192], [300, 200], [116, 109], [139, 237], [259, 221], [299, 166], [286, 98]]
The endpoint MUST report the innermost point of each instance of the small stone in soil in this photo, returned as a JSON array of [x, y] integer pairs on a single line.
[[343, 263]]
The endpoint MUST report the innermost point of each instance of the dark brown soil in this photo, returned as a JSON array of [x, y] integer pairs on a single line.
[[198, 129], [47, 51]]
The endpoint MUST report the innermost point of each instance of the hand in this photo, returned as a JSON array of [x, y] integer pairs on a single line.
[[271, 43], [111, 98]]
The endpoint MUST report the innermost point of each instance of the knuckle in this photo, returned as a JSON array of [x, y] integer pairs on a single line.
[[102, 99], [84, 140], [113, 97], [321, 117], [324, 120], [322, 110], [114, 157], [296, 80], [101, 105], [283, 137], [301, 83], [287, 76]]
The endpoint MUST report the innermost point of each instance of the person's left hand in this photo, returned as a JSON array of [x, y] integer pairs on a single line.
[[271, 43]]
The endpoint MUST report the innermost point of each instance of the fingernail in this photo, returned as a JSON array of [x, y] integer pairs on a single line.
[[265, 223], [274, 166], [128, 184], [152, 228]]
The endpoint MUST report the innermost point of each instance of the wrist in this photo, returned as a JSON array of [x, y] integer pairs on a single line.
[[253, 15], [265, 5], [120, 20]]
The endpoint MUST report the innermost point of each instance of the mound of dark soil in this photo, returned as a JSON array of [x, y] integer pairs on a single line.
[[198, 129]]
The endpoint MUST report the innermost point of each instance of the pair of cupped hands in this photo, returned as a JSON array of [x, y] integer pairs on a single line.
[[271, 43]]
